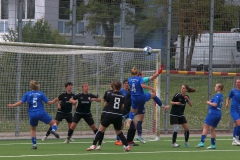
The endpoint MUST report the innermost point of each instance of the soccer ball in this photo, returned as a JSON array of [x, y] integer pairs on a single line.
[[147, 50]]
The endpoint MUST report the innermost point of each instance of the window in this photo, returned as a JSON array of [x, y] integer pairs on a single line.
[[64, 8], [4, 9], [28, 9], [3, 26], [238, 46], [63, 27], [117, 30]]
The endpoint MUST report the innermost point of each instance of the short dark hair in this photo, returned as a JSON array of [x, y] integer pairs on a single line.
[[125, 80], [117, 85], [68, 84]]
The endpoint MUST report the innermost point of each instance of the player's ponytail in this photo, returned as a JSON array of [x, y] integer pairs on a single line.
[[221, 86], [134, 71], [34, 85], [189, 89]]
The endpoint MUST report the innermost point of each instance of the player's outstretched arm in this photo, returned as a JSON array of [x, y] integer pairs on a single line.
[[157, 73], [15, 104]]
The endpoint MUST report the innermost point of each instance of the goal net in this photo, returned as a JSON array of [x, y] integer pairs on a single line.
[[53, 65]]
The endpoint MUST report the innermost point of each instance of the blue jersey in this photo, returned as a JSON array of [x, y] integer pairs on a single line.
[[124, 92], [235, 95], [34, 100], [135, 85], [218, 99]]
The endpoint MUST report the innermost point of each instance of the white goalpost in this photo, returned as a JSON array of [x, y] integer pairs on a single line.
[[52, 65]]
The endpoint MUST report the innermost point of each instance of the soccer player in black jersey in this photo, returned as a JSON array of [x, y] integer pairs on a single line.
[[83, 110], [114, 104], [64, 107], [177, 117]]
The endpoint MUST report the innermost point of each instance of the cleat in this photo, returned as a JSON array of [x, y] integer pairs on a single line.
[[54, 133], [44, 138], [175, 145], [118, 143], [187, 145], [234, 143], [66, 141], [92, 147], [140, 139], [127, 148], [132, 144], [34, 147], [236, 140], [98, 148], [211, 147], [72, 140], [128, 123], [201, 144]]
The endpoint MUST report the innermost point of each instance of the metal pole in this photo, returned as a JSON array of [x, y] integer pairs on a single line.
[[18, 83], [73, 39], [168, 63], [122, 39], [210, 50]]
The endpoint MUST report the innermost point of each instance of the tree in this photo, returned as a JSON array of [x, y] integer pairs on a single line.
[[39, 32]]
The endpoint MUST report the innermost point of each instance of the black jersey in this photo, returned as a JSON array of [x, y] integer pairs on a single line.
[[127, 103], [66, 106], [105, 96], [178, 109], [115, 101], [84, 102]]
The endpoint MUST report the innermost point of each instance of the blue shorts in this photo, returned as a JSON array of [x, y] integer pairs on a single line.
[[137, 101], [212, 119], [235, 113], [141, 109], [36, 116]]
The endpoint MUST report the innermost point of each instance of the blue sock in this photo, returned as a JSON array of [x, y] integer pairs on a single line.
[[54, 128], [117, 138], [139, 128], [238, 131], [34, 141], [131, 115], [157, 100], [203, 138], [213, 141], [234, 131]]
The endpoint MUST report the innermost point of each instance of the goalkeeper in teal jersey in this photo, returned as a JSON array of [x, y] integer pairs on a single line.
[[141, 109]]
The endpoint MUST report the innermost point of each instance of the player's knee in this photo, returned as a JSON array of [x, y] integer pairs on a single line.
[[175, 128]]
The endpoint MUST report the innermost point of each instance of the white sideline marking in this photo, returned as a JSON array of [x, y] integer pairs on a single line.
[[83, 154]]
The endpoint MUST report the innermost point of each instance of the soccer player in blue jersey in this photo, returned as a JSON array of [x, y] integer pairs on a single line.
[[235, 109], [213, 117], [138, 97], [36, 110], [141, 109]]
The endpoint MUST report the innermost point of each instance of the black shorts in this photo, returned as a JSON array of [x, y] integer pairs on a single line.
[[60, 116], [87, 118], [102, 116], [114, 119], [177, 120]]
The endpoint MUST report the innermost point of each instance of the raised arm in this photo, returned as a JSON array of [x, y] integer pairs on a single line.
[[15, 104]]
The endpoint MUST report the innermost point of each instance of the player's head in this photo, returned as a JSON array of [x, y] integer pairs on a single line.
[[111, 84], [68, 84], [117, 85], [238, 83], [185, 88], [134, 71], [219, 87], [85, 87], [34, 85], [125, 84], [140, 73]]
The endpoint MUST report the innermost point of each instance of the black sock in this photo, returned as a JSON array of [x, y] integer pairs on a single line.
[[100, 140], [70, 133], [95, 131], [186, 135], [48, 132], [130, 134], [123, 139], [98, 136], [174, 137]]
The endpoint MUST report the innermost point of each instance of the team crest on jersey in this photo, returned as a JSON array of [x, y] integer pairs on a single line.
[[89, 98]]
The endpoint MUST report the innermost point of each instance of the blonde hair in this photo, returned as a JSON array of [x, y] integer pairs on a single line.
[[221, 86], [34, 85], [134, 71]]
